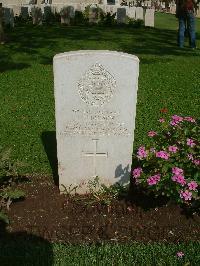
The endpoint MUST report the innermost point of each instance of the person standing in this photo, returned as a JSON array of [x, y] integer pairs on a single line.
[[185, 12]]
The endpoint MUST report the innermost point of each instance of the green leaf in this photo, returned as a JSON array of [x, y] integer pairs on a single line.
[[13, 194], [4, 217]]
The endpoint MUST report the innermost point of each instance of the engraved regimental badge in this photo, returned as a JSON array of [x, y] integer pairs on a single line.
[[97, 86]]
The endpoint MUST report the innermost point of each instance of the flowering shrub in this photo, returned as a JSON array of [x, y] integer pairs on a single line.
[[170, 164]]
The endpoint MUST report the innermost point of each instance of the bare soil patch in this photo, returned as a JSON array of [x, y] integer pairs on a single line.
[[59, 218]]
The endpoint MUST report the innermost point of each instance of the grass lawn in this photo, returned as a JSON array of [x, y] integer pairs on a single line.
[[169, 77], [43, 254]]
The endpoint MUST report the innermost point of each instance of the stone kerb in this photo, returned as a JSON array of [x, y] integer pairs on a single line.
[[95, 107]]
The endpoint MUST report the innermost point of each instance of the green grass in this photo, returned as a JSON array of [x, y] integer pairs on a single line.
[[33, 252], [169, 77]]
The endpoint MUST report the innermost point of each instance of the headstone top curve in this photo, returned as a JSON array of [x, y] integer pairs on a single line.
[[95, 52]]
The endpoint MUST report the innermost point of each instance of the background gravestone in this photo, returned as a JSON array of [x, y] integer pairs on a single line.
[[36, 15], [8, 16], [121, 15], [48, 13], [24, 12], [95, 103], [149, 18], [131, 12], [139, 13], [67, 13], [93, 15]]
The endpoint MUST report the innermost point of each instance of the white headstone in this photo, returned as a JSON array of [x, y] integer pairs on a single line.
[[139, 13], [173, 9], [66, 14], [149, 18], [198, 12], [93, 14], [131, 12], [95, 103], [36, 13]]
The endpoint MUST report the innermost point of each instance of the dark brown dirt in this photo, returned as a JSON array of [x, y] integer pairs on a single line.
[[59, 218]]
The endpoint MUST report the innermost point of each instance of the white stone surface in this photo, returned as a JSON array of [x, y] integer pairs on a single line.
[[139, 14], [95, 103], [149, 18], [131, 12], [198, 12], [93, 14]]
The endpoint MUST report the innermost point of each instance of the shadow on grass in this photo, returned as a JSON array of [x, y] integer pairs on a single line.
[[41, 43], [7, 63], [50, 146], [21, 248]]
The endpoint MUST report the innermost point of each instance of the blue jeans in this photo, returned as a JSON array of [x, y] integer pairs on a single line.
[[189, 21]]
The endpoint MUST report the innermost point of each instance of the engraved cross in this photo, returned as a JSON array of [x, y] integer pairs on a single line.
[[95, 154]]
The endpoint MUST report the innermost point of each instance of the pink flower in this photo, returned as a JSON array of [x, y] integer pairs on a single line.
[[192, 185], [177, 171], [137, 172], [161, 120], [179, 179], [190, 142], [196, 162], [162, 154], [190, 119], [153, 180], [173, 123], [152, 133], [142, 153], [180, 254], [190, 157], [173, 149], [186, 195], [177, 118], [174, 178]]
